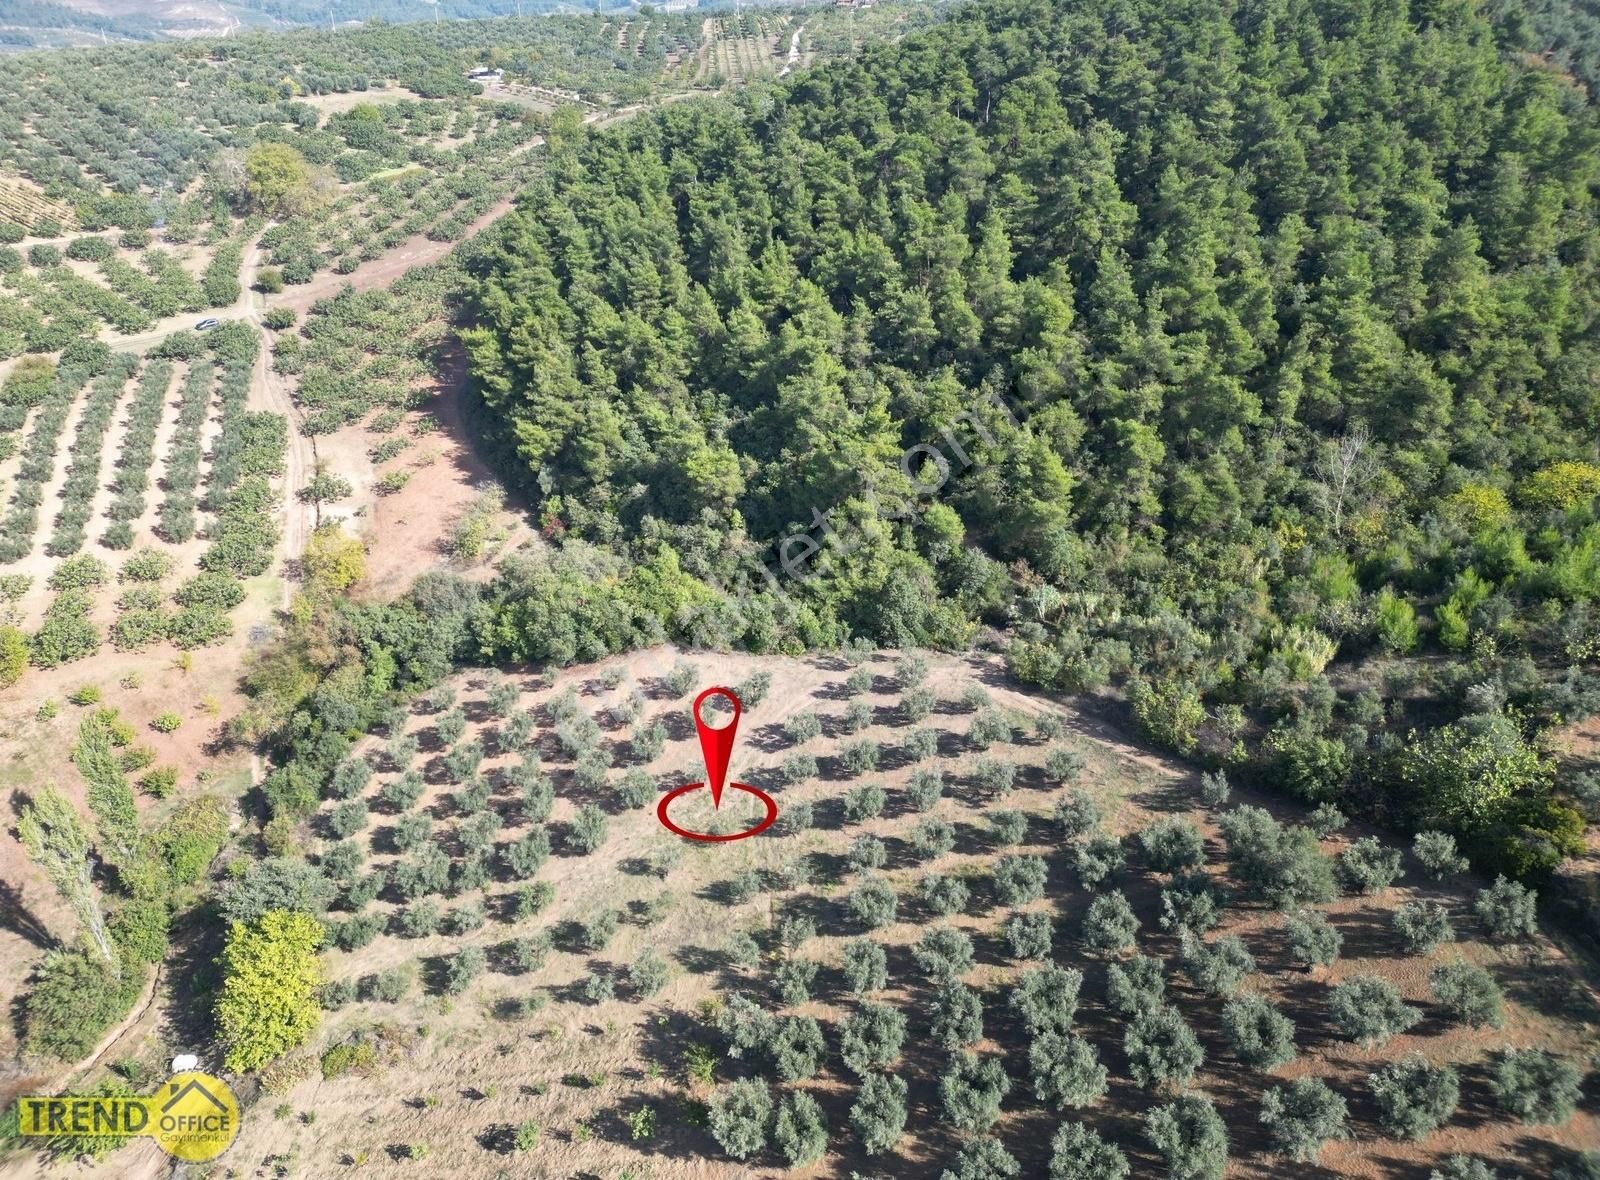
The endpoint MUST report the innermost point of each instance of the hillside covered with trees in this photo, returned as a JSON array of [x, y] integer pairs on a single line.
[[1239, 356]]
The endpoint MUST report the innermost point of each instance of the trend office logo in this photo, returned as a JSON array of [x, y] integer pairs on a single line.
[[193, 1117]]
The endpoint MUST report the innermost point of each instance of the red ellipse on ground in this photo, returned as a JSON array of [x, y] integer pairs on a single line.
[[666, 820]]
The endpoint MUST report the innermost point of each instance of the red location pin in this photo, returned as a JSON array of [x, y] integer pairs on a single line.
[[717, 747], [717, 744]]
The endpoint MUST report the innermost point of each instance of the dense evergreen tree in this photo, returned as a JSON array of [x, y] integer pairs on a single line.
[[1275, 364]]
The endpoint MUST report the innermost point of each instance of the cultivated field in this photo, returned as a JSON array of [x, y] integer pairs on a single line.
[[507, 891], [146, 487]]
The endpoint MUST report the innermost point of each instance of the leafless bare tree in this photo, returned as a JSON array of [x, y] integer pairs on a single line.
[[1344, 465]]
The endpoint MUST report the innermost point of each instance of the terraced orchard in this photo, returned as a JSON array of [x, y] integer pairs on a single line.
[[138, 493], [986, 939]]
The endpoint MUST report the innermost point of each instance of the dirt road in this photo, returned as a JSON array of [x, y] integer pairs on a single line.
[[267, 392]]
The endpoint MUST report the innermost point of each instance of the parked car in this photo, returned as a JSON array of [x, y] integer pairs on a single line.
[[206, 324]]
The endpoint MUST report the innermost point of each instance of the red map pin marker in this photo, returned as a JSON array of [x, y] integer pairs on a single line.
[[716, 745]]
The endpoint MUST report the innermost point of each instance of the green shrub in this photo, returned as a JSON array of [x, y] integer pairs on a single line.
[[351, 1057], [160, 782], [75, 997], [167, 721]]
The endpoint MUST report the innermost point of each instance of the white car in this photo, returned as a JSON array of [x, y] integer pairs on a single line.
[[209, 322]]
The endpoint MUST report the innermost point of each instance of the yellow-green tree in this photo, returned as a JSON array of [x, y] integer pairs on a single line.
[[13, 656], [277, 177], [271, 974], [333, 561]]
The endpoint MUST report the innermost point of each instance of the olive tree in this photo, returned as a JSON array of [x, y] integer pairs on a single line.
[[1045, 999], [1463, 1167], [944, 952], [1468, 993], [1136, 986], [1214, 790], [983, 1159], [1367, 866], [1436, 851], [943, 895], [796, 1046], [1582, 1166], [1313, 940], [972, 1089], [1423, 926], [924, 789], [739, 1116], [1076, 814], [1191, 901], [793, 980], [957, 1018], [587, 831], [1413, 1097], [1019, 879], [1078, 1153], [1097, 860], [1261, 1036], [1217, 969], [865, 966], [1534, 1086], [1028, 935], [1162, 1049], [867, 852], [1008, 828], [871, 1036], [800, 1132], [879, 1113], [1283, 866], [1368, 1010], [1172, 846], [1508, 911], [744, 1025], [1066, 1070], [873, 904], [1302, 1116], [1109, 924], [1326, 819], [864, 802], [1190, 1137], [932, 837]]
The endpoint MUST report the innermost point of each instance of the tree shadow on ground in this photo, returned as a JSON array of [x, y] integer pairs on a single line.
[[16, 917]]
